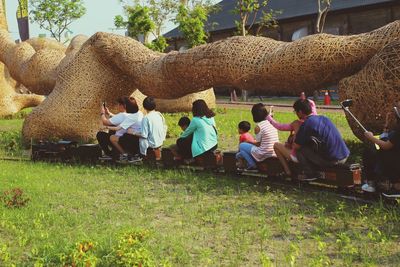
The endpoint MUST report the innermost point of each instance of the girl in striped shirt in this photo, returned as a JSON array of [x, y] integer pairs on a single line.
[[266, 136]]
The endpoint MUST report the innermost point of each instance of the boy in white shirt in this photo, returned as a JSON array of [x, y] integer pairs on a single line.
[[154, 129]]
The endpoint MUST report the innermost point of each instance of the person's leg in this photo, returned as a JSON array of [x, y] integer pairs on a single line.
[[157, 153], [283, 154], [369, 160], [143, 145], [129, 143], [185, 147], [245, 152], [114, 141], [308, 159], [103, 139]]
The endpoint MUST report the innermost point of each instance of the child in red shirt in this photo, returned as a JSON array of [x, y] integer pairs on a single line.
[[245, 136]]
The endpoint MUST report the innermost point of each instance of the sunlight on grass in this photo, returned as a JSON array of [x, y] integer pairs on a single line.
[[108, 216], [189, 219]]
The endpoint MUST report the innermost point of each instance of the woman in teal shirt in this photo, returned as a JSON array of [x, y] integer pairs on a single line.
[[203, 129]]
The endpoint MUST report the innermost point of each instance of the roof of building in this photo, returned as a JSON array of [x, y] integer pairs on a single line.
[[225, 18]]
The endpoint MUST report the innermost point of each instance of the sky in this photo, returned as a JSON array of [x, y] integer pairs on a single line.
[[99, 17]]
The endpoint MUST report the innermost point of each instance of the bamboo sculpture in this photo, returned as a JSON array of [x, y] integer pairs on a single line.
[[108, 66], [11, 101], [375, 89]]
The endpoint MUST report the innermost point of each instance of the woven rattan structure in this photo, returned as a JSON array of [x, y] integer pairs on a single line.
[[108, 66], [11, 101], [375, 89]]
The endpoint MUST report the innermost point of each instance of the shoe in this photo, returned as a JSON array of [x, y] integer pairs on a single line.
[[123, 157], [251, 169], [105, 157], [188, 161], [368, 187], [135, 159], [392, 194], [305, 178]]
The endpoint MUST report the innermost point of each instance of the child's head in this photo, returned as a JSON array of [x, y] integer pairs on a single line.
[[149, 104], [184, 123], [244, 127], [259, 112]]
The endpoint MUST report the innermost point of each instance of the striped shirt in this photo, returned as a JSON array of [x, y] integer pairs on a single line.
[[267, 137]]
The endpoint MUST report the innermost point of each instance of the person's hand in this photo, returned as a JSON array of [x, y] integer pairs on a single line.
[[271, 111], [107, 112], [103, 111], [369, 135]]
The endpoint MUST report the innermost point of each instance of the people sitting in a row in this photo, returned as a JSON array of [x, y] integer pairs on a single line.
[[382, 162], [314, 141], [111, 122], [130, 132]]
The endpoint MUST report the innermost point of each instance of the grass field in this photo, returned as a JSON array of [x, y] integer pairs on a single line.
[[122, 216]]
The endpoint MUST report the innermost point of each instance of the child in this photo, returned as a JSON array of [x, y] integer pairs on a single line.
[[184, 145], [154, 129], [245, 136], [267, 135]]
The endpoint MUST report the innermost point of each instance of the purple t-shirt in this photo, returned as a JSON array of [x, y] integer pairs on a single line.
[[332, 144]]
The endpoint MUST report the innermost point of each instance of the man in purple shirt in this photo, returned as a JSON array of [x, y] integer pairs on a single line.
[[318, 142]]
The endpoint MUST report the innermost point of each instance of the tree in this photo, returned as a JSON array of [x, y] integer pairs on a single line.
[[147, 17], [248, 11], [323, 8], [191, 24], [159, 44], [192, 17], [55, 16], [161, 12], [138, 21]]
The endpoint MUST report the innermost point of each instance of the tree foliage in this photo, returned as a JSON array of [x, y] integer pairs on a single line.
[[191, 24], [138, 21], [159, 44], [249, 10], [191, 16], [56, 16]]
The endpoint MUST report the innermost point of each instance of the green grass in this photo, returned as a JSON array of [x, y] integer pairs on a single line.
[[193, 219]]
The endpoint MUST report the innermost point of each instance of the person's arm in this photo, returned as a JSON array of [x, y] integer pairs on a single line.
[[301, 138], [279, 126], [385, 145], [114, 128], [104, 115], [145, 128], [257, 131], [105, 120], [190, 129]]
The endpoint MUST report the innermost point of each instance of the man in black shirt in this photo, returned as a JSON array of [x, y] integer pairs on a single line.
[[386, 163]]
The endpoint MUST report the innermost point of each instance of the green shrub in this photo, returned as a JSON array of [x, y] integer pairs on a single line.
[[80, 255], [131, 250], [11, 142]]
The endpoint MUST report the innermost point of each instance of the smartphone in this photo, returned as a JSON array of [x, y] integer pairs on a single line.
[[104, 104]]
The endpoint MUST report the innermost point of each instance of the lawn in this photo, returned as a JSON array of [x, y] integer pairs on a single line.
[[189, 219], [119, 216]]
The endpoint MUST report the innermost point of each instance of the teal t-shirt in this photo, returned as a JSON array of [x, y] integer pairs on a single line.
[[204, 134]]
